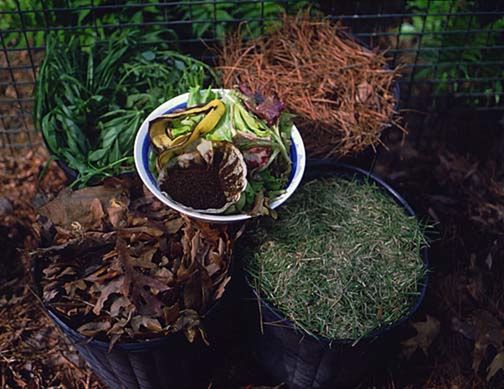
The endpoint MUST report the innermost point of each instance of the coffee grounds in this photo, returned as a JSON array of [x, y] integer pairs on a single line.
[[197, 186]]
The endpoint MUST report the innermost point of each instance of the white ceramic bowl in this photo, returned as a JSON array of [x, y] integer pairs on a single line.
[[143, 147]]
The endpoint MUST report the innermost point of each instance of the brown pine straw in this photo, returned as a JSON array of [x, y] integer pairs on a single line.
[[340, 91]]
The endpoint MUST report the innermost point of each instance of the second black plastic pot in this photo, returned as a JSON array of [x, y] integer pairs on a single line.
[[303, 361], [170, 362], [160, 363]]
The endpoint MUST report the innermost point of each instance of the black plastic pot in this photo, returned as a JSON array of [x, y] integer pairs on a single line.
[[160, 363], [303, 361], [169, 362], [70, 174]]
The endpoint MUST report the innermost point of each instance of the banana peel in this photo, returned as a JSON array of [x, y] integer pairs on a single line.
[[167, 145]]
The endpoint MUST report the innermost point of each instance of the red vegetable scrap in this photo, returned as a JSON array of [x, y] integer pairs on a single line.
[[268, 108], [123, 267], [340, 91]]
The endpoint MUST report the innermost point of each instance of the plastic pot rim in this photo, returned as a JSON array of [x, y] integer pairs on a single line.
[[141, 344], [335, 169]]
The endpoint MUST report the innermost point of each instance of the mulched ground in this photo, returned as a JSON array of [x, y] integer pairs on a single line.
[[451, 173], [16, 109], [33, 354]]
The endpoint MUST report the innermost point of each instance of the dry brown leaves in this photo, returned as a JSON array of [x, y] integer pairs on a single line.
[[427, 331], [479, 185], [32, 352], [19, 185], [340, 91], [19, 179], [487, 332], [121, 266]]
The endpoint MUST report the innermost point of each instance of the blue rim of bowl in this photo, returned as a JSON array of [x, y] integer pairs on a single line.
[[143, 146], [146, 149]]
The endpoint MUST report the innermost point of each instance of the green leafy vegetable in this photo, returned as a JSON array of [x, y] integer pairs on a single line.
[[90, 101]]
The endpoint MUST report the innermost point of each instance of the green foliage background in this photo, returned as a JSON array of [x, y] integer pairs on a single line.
[[447, 26], [438, 25]]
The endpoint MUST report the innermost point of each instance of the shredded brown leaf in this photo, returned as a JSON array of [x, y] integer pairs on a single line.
[[122, 268]]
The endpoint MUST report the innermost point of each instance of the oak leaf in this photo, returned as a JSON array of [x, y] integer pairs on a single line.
[[93, 328], [148, 323], [112, 287], [120, 303], [138, 286], [426, 333], [496, 365]]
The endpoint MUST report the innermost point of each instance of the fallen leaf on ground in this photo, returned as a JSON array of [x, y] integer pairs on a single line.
[[426, 333], [93, 328], [486, 330], [496, 365]]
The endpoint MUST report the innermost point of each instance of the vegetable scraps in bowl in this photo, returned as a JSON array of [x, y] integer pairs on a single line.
[[226, 153]]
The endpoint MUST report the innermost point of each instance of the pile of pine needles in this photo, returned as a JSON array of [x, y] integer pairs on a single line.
[[340, 91], [342, 260]]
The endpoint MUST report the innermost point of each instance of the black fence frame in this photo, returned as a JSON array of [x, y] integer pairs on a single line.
[[376, 23]]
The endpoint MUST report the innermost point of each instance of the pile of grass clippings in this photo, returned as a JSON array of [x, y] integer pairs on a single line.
[[342, 260], [340, 91]]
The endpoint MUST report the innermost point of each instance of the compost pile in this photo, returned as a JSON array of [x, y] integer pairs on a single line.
[[118, 265], [228, 152], [340, 91]]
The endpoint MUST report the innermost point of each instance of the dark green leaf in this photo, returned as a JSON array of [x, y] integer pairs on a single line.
[[148, 55], [98, 155]]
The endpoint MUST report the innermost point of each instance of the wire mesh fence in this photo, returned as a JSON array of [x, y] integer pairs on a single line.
[[451, 51]]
